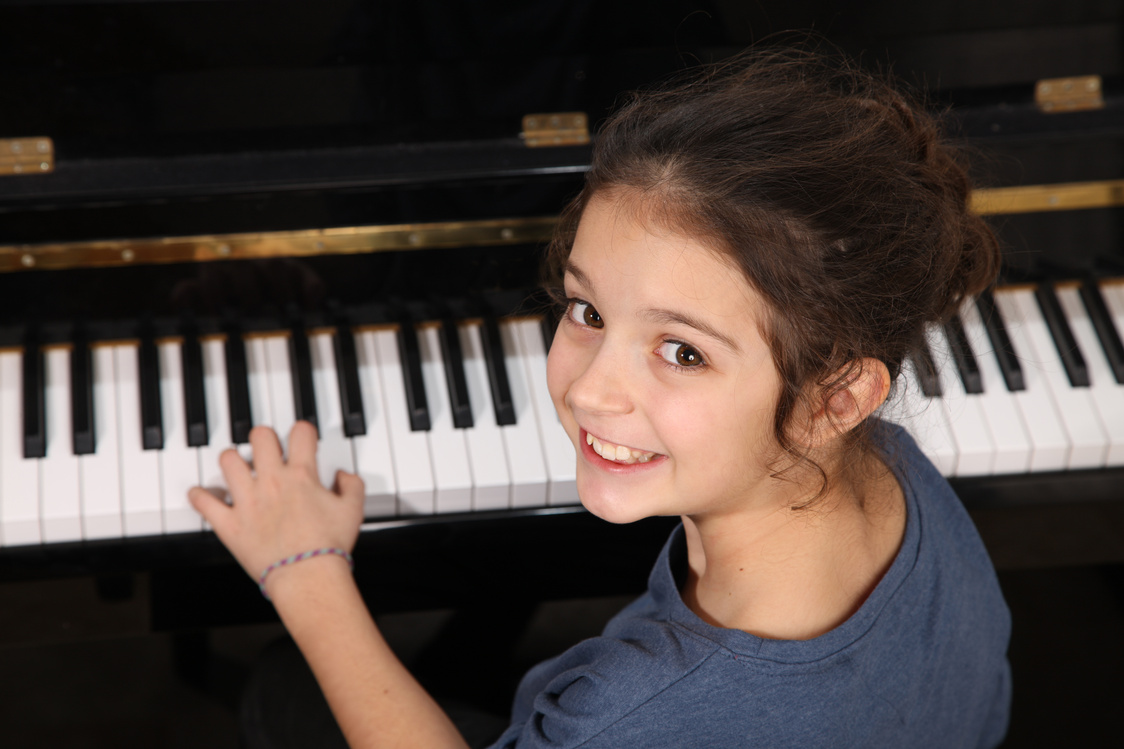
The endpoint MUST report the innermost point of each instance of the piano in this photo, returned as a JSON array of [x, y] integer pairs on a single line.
[[338, 216]]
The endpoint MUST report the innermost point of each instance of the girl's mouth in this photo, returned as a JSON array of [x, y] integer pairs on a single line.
[[617, 453]]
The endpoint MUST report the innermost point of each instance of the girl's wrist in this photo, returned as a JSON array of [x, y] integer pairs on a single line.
[[305, 575]]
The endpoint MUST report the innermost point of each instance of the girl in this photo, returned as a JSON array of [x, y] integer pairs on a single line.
[[756, 251]]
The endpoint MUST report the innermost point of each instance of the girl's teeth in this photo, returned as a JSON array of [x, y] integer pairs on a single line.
[[617, 453]]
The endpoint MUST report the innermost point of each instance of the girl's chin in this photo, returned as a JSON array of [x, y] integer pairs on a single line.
[[613, 507]]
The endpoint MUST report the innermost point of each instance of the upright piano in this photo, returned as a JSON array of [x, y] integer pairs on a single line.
[[221, 214]]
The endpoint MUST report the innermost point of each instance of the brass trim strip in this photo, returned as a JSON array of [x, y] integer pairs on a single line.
[[364, 239], [1068, 196], [332, 241]]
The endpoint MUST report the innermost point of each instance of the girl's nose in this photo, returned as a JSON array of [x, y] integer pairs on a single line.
[[603, 387]]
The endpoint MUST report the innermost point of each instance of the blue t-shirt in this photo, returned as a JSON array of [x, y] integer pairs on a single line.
[[921, 664]]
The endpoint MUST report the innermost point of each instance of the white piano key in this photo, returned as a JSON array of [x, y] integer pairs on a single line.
[[524, 445], [925, 419], [333, 453], [1013, 446], [410, 450], [1107, 394], [100, 472], [975, 451], [373, 460], [257, 376], [280, 375], [218, 416], [19, 478], [1088, 442], [451, 470], [486, 450], [179, 463], [60, 490], [1036, 405], [142, 494], [558, 450]]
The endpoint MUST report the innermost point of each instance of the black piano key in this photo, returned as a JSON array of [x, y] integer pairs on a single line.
[[1072, 360], [300, 362], [962, 354], [347, 373], [1001, 344], [81, 395], [926, 370], [454, 374], [34, 409], [417, 406], [148, 376], [1106, 330], [497, 372], [194, 399], [237, 385]]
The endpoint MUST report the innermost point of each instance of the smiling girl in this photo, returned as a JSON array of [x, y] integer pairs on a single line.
[[756, 252]]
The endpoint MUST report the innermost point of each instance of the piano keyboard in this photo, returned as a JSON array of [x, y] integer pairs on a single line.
[[1027, 380], [454, 418], [490, 442]]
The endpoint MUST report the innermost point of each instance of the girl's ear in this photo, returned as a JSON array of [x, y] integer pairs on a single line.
[[848, 407]]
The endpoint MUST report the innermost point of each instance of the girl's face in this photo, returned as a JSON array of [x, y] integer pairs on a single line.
[[659, 373]]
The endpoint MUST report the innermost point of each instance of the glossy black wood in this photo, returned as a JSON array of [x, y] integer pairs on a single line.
[[148, 375], [237, 383], [300, 368], [926, 370], [1107, 333], [1072, 359], [1004, 352], [963, 356], [409, 361], [194, 394], [453, 359], [347, 376], [33, 396], [82, 395], [496, 363]]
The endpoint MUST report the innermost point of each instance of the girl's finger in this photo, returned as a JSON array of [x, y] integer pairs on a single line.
[[302, 447], [349, 486], [268, 456], [239, 477], [214, 510]]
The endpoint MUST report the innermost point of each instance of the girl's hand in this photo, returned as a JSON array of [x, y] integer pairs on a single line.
[[279, 508]]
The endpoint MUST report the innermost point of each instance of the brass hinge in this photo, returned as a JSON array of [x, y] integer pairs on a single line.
[[27, 155], [561, 129], [1055, 95]]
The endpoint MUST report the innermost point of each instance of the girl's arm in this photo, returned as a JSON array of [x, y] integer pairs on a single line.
[[279, 508]]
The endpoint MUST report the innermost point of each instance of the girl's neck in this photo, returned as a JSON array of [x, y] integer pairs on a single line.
[[794, 574]]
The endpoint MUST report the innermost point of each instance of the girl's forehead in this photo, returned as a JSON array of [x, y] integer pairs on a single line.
[[625, 243], [624, 224]]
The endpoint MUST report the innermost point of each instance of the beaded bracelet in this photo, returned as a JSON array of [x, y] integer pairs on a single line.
[[300, 558]]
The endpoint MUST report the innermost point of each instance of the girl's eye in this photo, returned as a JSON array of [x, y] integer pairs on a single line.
[[583, 314], [680, 355]]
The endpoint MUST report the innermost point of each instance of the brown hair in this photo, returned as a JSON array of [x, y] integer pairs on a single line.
[[830, 188]]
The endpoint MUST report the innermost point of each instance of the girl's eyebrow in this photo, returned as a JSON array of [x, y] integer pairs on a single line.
[[578, 274], [664, 315], [678, 318]]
